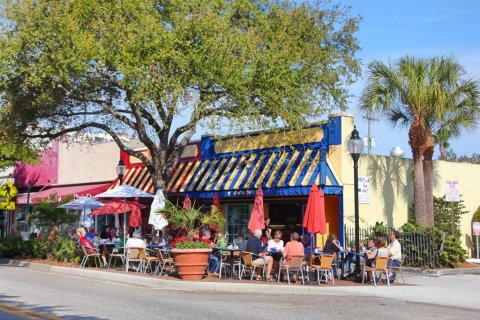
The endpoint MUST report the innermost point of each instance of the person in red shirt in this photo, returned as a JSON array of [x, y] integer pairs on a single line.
[[293, 248]]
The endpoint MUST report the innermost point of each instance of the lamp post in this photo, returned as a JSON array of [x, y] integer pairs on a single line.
[[355, 147], [121, 170]]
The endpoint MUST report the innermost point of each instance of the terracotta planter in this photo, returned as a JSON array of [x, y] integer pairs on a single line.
[[191, 263]]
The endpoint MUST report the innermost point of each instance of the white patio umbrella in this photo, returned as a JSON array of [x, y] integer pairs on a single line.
[[157, 219], [86, 205], [124, 191]]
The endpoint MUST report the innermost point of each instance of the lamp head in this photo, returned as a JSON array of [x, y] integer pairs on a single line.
[[355, 144], [121, 168]]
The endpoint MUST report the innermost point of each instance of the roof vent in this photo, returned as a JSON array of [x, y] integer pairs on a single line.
[[397, 152]]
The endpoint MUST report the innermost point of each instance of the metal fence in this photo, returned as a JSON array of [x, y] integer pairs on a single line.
[[420, 249]]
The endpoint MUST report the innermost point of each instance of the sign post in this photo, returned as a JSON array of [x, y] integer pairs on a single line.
[[452, 194], [476, 232]]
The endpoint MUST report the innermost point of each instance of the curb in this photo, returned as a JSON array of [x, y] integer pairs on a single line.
[[440, 272]]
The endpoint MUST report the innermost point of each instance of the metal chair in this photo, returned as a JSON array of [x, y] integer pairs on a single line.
[[249, 263], [133, 256], [95, 255], [379, 266], [325, 267], [116, 255], [296, 263], [163, 262], [399, 268]]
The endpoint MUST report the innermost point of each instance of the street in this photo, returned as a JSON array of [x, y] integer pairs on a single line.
[[27, 293]]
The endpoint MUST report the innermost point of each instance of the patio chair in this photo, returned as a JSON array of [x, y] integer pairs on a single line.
[[94, 255], [248, 263], [147, 260], [379, 266], [225, 262], [133, 256], [297, 263], [325, 267], [163, 262], [115, 255], [399, 268]]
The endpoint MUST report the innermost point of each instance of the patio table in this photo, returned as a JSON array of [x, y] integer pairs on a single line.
[[232, 251]]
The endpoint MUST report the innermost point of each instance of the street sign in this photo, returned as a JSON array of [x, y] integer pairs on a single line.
[[476, 228], [452, 191]]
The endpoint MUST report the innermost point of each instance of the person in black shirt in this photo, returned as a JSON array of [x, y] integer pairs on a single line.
[[255, 246]]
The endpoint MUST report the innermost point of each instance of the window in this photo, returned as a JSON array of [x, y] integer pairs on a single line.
[[237, 219]]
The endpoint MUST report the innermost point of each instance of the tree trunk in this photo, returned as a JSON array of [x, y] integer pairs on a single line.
[[417, 139], [443, 151], [428, 180]]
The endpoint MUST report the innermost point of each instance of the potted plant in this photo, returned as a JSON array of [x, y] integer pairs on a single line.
[[191, 255]]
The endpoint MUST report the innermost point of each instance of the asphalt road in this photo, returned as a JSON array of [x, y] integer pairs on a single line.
[[35, 294]]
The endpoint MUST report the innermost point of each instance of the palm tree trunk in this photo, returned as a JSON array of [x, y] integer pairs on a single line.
[[443, 152], [428, 180], [417, 139]]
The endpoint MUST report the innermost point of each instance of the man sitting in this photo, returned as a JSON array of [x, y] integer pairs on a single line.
[[255, 246]]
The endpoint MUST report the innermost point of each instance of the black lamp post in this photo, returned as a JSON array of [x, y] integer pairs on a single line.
[[355, 147], [121, 170]]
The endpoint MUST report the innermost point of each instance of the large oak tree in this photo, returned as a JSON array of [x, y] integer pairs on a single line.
[[160, 69]]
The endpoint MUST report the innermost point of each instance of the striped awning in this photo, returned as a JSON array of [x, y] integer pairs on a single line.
[[268, 170], [137, 177]]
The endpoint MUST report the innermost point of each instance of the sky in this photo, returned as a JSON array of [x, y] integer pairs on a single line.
[[420, 28]]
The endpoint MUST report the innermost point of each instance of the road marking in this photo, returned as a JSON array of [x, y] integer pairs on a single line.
[[26, 313]]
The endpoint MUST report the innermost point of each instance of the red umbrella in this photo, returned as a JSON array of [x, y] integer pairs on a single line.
[[118, 206], [187, 204], [314, 219], [256, 218], [216, 201]]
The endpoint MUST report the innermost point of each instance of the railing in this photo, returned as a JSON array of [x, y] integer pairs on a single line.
[[420, 249]]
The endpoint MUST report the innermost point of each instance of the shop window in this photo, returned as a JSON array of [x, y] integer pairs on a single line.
[[237, 216]]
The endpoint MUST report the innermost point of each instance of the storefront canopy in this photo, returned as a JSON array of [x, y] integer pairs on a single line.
[[76, 191]]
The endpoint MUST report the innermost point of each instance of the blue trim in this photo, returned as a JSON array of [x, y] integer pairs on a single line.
[[228, 174], [335, 131], [331, 176], [247, 193], [207, 147], [323, 166], [210, 175]]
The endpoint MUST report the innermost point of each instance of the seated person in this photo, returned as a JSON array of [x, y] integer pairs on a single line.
[[82, 240], [134, 240], [90, 234], [255, 246], [352, 257], [394, 253], [332, 246], [293, 248], [214, 258], [240, 242], [275, 248]]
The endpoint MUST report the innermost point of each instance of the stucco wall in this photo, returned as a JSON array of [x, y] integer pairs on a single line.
[[83, 163], [391, 189]]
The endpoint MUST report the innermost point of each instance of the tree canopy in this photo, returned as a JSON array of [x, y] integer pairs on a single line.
[[160, 69]]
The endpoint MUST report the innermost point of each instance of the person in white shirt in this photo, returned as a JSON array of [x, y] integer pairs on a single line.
[[394, 253], [275, 249], [134, 240]]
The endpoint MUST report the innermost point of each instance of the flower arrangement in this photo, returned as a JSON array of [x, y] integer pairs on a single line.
[[190, 221]]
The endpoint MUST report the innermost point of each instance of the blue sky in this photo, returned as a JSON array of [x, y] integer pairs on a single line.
[[392, 29]]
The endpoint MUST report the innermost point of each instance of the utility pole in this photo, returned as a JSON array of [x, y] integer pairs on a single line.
[[370, 139]]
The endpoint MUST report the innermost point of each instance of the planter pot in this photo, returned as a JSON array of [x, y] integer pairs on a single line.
[[191, 263]]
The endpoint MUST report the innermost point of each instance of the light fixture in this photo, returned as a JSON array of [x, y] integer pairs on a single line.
[[121, 170]]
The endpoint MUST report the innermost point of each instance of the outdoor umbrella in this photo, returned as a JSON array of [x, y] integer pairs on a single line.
[[124, 191], [117, 206], [187, 203], [257, 218], [314, 218], [86, 205], [216, 201], [157, 218]]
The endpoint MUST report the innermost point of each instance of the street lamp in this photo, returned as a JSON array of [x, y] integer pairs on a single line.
[[355, 147], [121, 170]]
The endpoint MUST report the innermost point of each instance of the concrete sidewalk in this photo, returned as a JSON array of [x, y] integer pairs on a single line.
[[449, 290]]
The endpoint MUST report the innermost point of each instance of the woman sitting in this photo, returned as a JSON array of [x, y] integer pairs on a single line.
[[214, 259], [293, 248], [275, 249], [332, 246]]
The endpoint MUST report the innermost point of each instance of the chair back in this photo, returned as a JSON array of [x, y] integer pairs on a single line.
[[84, 250], [381, 263], [326, 261], [296, 262], [142, 253], [134, 253], [247, 258]]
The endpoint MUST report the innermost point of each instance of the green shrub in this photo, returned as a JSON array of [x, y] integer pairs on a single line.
[[65, 249], [11, 247], [452, 254], [39, 248], [378, 230]]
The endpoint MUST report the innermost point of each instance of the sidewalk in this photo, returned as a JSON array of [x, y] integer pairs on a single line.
[[449, 290]]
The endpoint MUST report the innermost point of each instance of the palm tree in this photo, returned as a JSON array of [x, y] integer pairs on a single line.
[[460, 112], [416, 93]]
